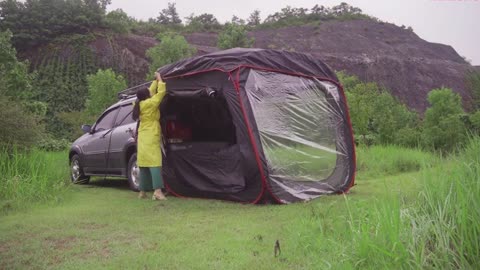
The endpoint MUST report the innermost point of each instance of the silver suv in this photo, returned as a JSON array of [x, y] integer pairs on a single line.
[[107, 148]]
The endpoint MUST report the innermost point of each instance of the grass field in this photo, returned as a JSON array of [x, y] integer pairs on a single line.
[[422, 213]]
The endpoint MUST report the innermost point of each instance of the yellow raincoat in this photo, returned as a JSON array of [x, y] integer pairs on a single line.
[[149, 132]]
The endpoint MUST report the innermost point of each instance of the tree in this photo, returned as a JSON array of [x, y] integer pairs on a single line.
[[254, 18], [119, 21], [15, 80], [20, 114], [102, 90], [320, 10], [345, 9], [234, 35], [377, 117], [169, 16], [443, 127], [237, 20], [171, 49], [35, 22], [203, 22]]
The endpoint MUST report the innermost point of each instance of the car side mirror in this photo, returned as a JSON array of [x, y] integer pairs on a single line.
[[87, 128]]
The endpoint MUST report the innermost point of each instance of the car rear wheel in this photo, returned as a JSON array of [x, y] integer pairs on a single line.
[[133, 173], [76, 171]]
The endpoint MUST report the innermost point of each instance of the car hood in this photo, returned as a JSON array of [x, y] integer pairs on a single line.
[[81, 140]]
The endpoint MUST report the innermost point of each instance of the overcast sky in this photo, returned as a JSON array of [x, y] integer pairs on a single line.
[[451, 22]]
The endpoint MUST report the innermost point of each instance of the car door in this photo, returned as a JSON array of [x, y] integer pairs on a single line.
[[122, 136], [96, 149]]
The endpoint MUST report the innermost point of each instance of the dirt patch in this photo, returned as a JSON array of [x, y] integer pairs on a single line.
[[92, 226], [3, 248], [62, 243]]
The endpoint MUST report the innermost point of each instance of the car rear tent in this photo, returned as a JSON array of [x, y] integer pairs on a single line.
[[255, 126]]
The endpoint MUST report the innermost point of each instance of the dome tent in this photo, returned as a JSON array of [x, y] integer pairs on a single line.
[[262, 126]]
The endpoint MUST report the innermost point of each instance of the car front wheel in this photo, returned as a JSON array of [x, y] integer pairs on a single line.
[[133, 173], [76, 171]]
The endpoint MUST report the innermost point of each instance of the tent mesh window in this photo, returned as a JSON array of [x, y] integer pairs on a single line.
[[297, 125]]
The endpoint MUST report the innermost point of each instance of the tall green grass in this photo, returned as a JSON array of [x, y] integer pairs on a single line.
[[380, 160], [440, 229], [29, 177], [446, 225]]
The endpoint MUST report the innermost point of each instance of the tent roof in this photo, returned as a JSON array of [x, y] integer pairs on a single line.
[[229, 60]]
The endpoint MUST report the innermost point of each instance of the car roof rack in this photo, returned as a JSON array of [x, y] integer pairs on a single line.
[[132, 91]]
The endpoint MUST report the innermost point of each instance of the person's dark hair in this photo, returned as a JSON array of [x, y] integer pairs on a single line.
[[142, 94]]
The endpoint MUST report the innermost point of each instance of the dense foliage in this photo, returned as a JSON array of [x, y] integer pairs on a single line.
[[55, 94], [102, 90], [443, 126], [299, 16], [234, 35], [171, 49], [20, 114], [378, 118], [202, 23], [35, 22], [473, 84]]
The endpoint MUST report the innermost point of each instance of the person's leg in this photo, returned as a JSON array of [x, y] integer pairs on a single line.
[[157, 183], [157, 180], [145, 181]]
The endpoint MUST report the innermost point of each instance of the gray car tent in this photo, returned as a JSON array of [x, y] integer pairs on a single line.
[[261, 126]]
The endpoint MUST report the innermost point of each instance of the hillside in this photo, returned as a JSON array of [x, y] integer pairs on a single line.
[[394, 57], [374, 51]]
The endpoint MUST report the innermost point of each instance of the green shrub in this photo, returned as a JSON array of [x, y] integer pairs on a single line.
[[377, 117], [73, 121], [475, 122], [234, 35], [409, 137], [18, 127], [102, 90], [53, 145], [172, 48], [443, 128], [202, 23], [119, 21]]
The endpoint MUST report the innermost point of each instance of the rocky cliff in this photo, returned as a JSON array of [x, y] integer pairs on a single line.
[[392, 56]]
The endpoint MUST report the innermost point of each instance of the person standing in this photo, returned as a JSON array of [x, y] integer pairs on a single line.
[[149, 156]]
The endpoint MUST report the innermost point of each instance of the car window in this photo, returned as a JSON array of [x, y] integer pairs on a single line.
[[124, 115], [128, 119], [106, 122]]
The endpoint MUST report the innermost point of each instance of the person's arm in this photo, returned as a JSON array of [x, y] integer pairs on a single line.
[[159, 88], [153, 88]]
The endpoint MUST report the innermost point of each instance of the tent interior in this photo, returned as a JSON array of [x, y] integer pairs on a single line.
[[199, 132], [197, 120]]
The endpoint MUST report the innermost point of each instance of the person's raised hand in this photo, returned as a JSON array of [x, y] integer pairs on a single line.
[[158, 77]]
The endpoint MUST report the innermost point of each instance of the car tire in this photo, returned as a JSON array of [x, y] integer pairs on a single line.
[[76, 171], [133, 173]]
